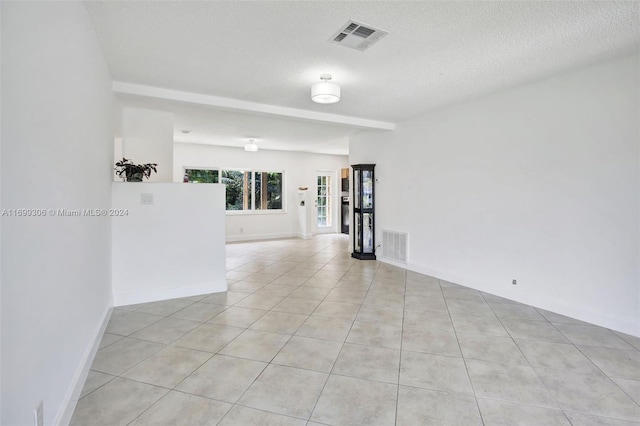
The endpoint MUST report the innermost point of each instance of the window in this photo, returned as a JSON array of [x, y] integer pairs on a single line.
[[268, 190], [238, 193], [246, 190]]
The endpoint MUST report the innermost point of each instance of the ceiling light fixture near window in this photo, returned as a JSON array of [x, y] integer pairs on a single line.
[[251, 146], [325, 92]]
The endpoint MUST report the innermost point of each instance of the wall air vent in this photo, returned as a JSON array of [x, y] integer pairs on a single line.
[[357, 35], [395, 246]]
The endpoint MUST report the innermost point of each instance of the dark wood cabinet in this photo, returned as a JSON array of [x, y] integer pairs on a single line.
[[364, 242]]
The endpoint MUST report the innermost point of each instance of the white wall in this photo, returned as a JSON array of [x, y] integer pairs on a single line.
[[147, 137], [57, 133], [172, 248], [300, 171], [538, 183], [1, 205]]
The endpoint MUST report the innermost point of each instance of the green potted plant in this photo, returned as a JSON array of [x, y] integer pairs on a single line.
[[131, 172]]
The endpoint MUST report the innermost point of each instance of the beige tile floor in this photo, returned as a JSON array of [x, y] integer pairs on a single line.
[[306, 335]]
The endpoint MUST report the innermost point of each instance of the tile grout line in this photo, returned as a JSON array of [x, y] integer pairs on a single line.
[[245, 328], [559, 406], [404, 301], [464, 361], [598, 367], [135, 365], [335, 360], [271, 361], [165, 346]]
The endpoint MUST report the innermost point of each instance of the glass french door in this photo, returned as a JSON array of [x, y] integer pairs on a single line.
[[324, 208]]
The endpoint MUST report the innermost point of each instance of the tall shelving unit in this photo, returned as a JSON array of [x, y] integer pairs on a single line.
[[363, 212]]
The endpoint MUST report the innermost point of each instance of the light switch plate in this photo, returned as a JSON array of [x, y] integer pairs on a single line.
[[146, 199]]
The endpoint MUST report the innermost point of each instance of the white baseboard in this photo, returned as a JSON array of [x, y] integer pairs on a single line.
[[553, 305], [63, 417], [259, 237], [165, 293], [393, 262]]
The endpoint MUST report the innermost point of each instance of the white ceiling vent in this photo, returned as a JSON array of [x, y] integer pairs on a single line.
[[357, 35]]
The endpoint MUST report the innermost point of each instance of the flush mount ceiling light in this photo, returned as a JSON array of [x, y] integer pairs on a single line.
[[325, 92], [251, 146]]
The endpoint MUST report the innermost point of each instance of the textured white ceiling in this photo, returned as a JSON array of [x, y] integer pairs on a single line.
[[436, 53]]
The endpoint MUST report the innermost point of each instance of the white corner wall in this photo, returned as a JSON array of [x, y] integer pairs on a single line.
[[539, 183], [300, 171], [57, 141], [1, 206], [147, 137], [174, 247]]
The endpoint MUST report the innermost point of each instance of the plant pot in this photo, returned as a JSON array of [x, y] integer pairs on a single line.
[[135, 177]]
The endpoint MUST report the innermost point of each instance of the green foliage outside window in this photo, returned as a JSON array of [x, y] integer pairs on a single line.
[[268, 190], [202, 176], [235, 182]]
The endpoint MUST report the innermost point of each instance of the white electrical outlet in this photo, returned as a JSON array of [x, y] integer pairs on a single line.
[[38, 415]]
